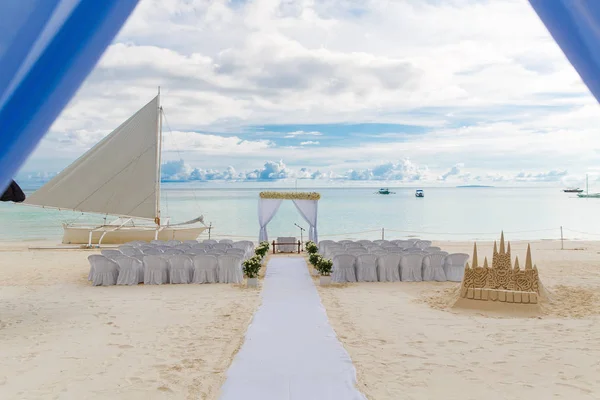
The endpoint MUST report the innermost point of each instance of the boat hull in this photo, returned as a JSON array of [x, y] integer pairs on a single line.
[[81, 234]]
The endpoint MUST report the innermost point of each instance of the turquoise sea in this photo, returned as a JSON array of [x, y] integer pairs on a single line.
[[352, 212]]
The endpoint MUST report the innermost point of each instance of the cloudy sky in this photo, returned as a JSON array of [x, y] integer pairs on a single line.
[[441, 92]]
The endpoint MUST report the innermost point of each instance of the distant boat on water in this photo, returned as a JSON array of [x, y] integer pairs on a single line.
[[587, 194], [576, 190], [419, 193], [385, 191]]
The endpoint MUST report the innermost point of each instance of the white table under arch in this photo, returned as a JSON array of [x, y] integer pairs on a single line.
[[306, 203]]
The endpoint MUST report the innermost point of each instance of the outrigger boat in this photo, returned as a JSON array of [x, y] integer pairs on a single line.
[[419, 193], [385, 191], [587, 194], [119, 176]]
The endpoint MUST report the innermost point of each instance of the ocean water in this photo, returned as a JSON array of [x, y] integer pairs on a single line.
[[352, 212]]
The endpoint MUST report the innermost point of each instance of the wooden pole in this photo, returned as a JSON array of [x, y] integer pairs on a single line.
[[562, 243], [299, 246], [273, 247], [382, 233]]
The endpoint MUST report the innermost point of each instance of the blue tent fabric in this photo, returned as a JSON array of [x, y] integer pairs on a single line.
[[575, 26], [48, 49]]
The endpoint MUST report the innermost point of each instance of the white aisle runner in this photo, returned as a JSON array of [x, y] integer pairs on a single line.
[[290, 352]]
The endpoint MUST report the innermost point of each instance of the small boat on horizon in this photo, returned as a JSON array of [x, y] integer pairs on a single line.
[[385, 191], [573, 190], [419, 193], [587, 194]]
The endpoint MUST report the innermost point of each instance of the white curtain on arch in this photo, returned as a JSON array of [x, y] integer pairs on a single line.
[[308, 209], [267, 208]]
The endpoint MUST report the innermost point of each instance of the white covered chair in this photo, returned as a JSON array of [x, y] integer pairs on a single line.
[[343, 268], [156, 270], [364, 242], [112, 254], [433, 267], [388, 267], [206, 269], [378, 251], [181, 269], [131, 271], [222, 246], [381, 242], [323, 245], [130, 251], [227, 241], [195, 252], [151, 251], [366, 268], [173, 243], [411, 267], [230, 269], [345, 242], [423, 244], [173, 252], [190, 242], [103, 270], [157, 242], [394, 249], [237, 252], [454, 266], [136, 243], [209, 241], [356, 251], [432, 249], [404, 244]]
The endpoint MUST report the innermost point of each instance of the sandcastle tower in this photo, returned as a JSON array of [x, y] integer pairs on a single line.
[[501, 282]]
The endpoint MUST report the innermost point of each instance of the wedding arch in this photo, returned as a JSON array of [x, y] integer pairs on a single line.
[[306, 203]]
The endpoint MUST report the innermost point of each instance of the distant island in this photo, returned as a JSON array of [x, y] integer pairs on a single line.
[[474, 186]]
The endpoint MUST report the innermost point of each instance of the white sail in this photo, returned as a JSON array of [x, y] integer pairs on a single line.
[[118, 176]]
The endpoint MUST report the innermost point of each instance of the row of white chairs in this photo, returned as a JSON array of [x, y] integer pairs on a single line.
[[392, 267], [174, 247], [162, 269]]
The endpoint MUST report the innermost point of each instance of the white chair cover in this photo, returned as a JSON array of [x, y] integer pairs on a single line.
[[190, 242], [227, 241], [343, 268], [454, 267], [395, 249], [130, 251], [136, 243], [103, 271], [433, 267], [404, 244], [237, 252], [111, 253], [184, 246], [156, 270], [157, 242], [344, 242], [131, 271], [181, 269], [221, 246], [366, 268], [388, 267], [195, 252], [357, 251], [423, 244], [151, 251], [432, 249], [411, 267], [173, 252], [230, 269], [173, 243], [246, 246], [202, 246], [380, 242], [209, 241], [364, 242], [206, 269]]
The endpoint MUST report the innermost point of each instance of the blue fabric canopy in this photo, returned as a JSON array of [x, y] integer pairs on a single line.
[[47, 49], [575, 26]]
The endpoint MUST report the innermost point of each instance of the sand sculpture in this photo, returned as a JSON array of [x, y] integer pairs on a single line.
[[501, 282]]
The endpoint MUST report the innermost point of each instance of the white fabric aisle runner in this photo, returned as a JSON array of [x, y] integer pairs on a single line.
[[290, 352]]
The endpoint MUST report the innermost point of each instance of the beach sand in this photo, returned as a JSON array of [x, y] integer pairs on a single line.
[[407, 342], [61, 338]]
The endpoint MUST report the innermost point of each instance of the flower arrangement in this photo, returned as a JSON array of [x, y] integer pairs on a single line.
[[290, 195], [312, 248], [251, 266], [325, 266], [314, 259], [262, 249]]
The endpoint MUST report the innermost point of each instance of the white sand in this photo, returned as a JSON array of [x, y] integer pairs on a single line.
[[407, 343], [62, 338]]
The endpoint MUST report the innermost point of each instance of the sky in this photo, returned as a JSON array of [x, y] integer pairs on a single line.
[[435, 92]]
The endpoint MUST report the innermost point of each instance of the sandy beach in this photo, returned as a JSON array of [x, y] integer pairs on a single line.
[[406, 341], [61, 338]]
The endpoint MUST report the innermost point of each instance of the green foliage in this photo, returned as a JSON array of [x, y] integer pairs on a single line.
[[252, 266], [325, 266], [312, 248], [314, 259], [262, 249]]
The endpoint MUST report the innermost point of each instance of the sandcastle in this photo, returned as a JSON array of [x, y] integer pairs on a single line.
[[501, 282]]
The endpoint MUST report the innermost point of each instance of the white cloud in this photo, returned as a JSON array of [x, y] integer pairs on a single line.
[[309, 143], [302, 133]]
